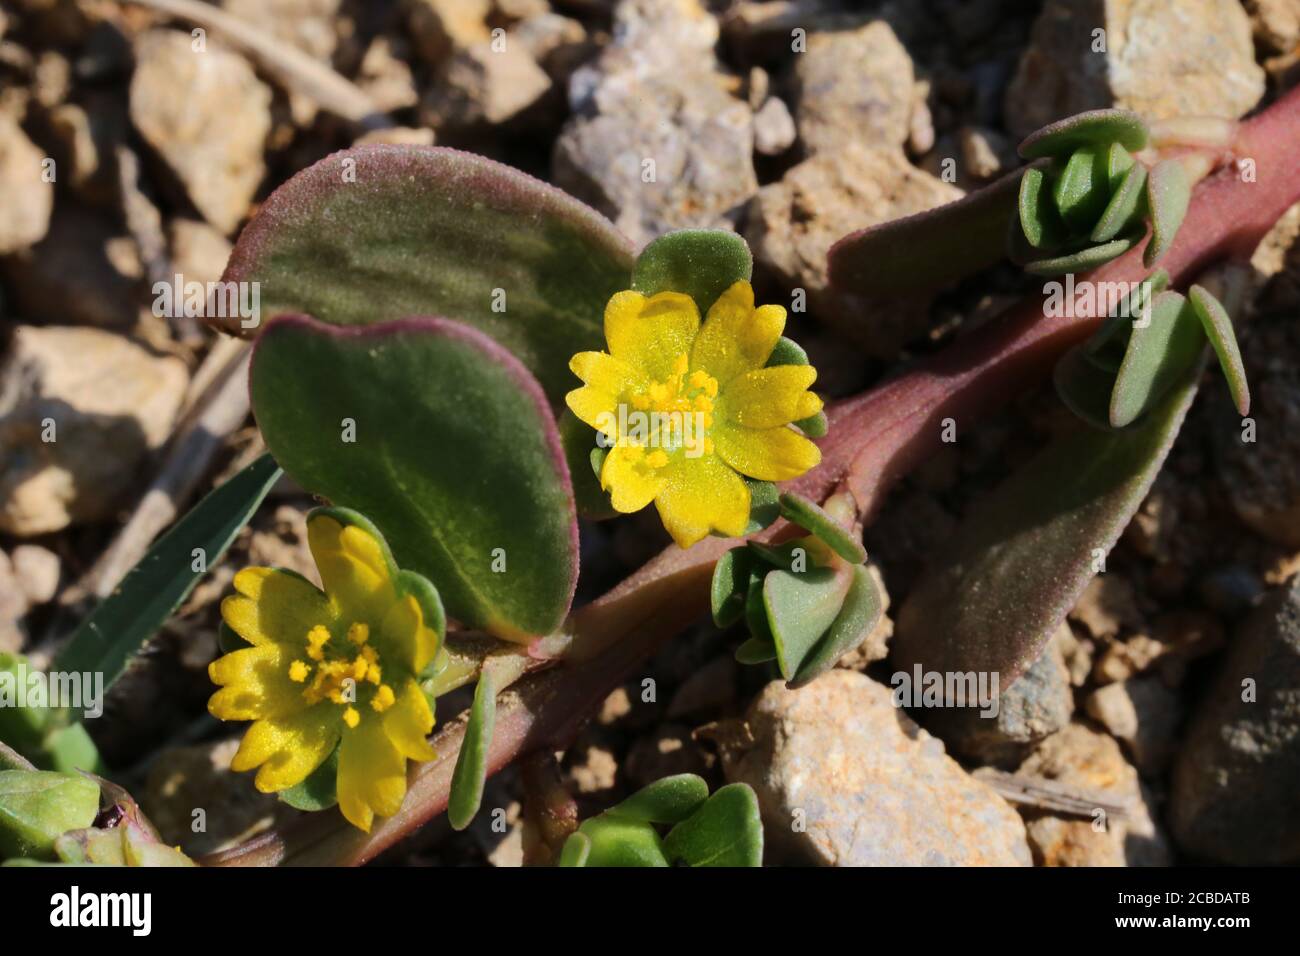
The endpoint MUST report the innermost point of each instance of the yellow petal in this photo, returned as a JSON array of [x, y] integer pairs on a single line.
[[406, 635], [274, 606], [255, 683], [409, 722], [649, 334], [737, 338], [702, 495], [769, 454], [372, 775], [606, 373], [287, 749], [631, 482], [769, 397], [356, 575], [597, 408]]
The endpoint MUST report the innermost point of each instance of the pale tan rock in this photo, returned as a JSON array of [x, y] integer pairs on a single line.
[[26, 198], [36, 570], [440, 27], [486, 83], [199, 252], [208, 115]]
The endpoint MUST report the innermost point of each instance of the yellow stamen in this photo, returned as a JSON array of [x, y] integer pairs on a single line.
[[657, 458], [298, 672], [383, 699], [351, 717], [358, 632]]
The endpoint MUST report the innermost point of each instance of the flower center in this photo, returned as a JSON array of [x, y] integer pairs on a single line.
[[679, 411], [342, 674]]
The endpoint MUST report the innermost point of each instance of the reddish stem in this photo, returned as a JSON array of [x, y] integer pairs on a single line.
[[874, 439]]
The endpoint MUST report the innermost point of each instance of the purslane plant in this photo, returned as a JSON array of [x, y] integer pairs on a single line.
[[368, 446]]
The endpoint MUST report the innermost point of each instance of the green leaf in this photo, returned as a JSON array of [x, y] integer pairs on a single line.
[[584, 458], [800, 608], [467, 780], [1118, 163], [703, 263], [618, 841], [319, 791], [41, 733], [1094, 127], [929, 251], [1158, 357], [1085, 386], [1218, 327], [154, 588], [1084, 259], [1124, 207], [994, 594], [1082, 190], [730, 586], [455, 458], [764, 504], [576, 850], [789, 352], [853, 625], [815, 426], [38, 806], [810, 516], [377, 233], [726, 831], [756, 650], [756, 614], [1040, 223], [1169, 193], [668, 800]]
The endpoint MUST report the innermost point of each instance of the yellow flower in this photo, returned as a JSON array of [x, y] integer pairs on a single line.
[[688, 408], [332, 669]]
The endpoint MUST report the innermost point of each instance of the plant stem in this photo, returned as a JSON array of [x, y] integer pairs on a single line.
[[874, 439]]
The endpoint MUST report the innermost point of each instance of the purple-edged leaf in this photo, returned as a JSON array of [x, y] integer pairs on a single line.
[[1169, 193], [800, 607], [808, 515], [1218, 327], [1125, 205], [1158, 356], [1087, 258], [376, 233], [1024, 554], [703, 263], [858, 616], [453, 454], [1094, 127], [932, 250]]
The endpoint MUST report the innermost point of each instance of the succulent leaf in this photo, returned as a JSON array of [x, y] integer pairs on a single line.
[[726, 831], [1125, 205], [1169, 193], [1159, 354], [800, 607], [857, 618], [1218, 327], [811, 517], [1094, 127], [703, 263], [470, 775], [1081, 260]]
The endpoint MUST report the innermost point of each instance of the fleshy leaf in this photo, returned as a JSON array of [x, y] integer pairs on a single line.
[[1081, 190], [470, 775], [1218, 327], [576, 850], [1124, 206], [618, 841], [1085, 386], [667, 800], [730, 586], [1039, 221], [319, 791], [122, 623], [1018, 563], [764, 504], [38, 806], [454, 456], [810, 516], [756, 650], [928, 251], [1094, 127], [726, 831], [1169, 193], [703, 263], [1080, 261], [858, 616], [1158, 357], [584, 458], [376, 233], [800, 608], [1118, 163]]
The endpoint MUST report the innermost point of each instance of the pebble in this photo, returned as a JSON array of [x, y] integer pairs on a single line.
[[26, 196]]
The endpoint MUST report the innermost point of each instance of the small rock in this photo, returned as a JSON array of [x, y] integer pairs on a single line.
[[36, 570], [1077, 653], [869, 786], [440, 27], [26, 195], [670, 750], [1238, 772], [590, 765], [876, 645], [1108, 606], [920, 129], [208, 115], [559, 44], [1084, 758], [985, 153], [853, 86], [183, 780], [1275, 23], [774, 129], [397, 136], [198, 252], [1036, 705], [79, 410], [485, 85], [13, 605], [385, 77], [1143, 715], [1205, 44], [658, 141], [792, 224], [307, 25]]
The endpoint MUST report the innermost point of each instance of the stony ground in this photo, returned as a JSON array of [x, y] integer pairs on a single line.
[[882, 110]]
